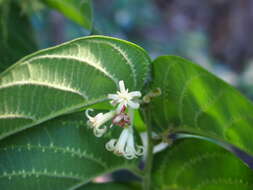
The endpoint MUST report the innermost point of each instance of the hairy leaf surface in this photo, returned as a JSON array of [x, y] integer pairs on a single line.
[[59, 154], [193, 164], [66, 78]]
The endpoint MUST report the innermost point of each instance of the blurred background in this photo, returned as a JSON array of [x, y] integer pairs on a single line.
[[217, 34]]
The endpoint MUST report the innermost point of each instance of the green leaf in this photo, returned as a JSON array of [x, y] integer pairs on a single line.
[[59, 154], [194, 164], [16, 34], [79, 11], [197, 102], [66, 78]]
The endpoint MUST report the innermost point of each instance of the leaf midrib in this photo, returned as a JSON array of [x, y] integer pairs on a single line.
[[70, 109]]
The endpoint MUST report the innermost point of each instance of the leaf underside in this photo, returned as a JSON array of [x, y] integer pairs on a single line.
[[66, 78], [59, 154]]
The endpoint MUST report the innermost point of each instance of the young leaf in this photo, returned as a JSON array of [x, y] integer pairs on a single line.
[[79, 11], [16, 34], [197, 164], [195, 101], [66, 78], [59, 154]]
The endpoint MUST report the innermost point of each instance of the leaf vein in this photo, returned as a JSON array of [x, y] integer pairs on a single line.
[[83, 60], [69, 150], [23, 173], [46, 84]]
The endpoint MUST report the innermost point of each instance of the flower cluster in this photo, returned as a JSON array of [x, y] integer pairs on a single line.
[[125, 103]]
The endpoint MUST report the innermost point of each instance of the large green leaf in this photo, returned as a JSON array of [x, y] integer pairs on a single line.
[[194, 164], [80, 11], [195, 101], [16, 34], [65, 78], [59, 154]]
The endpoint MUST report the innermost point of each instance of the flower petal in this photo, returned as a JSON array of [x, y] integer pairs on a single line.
[[98, 132], [133, 104], [113, 102], [130, 156], [135, 94], [122, 86], [87, 113], [110, 146], [139, 150], [113, 96]]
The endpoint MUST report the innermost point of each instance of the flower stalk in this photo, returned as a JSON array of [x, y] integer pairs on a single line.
[[149, 156]]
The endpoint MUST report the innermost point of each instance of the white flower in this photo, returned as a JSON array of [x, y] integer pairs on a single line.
[[124, 98], [100, 119], [125, 145]]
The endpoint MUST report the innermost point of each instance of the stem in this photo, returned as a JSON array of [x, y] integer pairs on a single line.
[[149, 158]]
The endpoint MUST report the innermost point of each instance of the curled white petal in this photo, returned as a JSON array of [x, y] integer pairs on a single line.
[[130, 156], [87, 113], [99, 132], [110, 146], [139, 150], [125, 145], [121, 143], [97, 122], [130, 151]]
